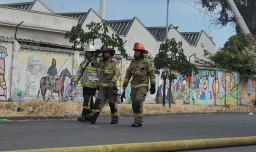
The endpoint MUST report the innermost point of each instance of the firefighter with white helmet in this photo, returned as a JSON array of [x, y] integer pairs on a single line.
[[109, 74], [89, 77]]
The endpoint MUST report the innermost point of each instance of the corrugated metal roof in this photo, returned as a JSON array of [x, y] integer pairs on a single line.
[[121, 27], [80, 15], [191, 37], [25, 5], [158, 32]]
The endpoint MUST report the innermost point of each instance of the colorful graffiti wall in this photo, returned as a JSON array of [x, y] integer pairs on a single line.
[[45, 74], [210, 87]]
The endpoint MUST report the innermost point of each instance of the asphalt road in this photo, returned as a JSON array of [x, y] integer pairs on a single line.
[[24, 135]]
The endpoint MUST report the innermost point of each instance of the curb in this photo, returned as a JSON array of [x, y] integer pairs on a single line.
[[104, 116], [160, 146]]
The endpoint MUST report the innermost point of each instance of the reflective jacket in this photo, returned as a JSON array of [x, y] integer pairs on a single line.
[[109, 70], [89, 76], [140, 71]]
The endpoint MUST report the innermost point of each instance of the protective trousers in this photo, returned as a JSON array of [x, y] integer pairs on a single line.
[[88, 104], [104, 94], [88, 100], [138, 95]]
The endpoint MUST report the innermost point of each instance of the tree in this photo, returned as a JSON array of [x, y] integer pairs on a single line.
[[74, 36], [100, 31], [172, 58], [238, 54], [222, 10]]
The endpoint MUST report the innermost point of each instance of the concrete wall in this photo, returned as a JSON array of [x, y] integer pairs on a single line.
[[207, 43], [39, 20], [210, 87], [34, 34], [138, 33], [23, 74]]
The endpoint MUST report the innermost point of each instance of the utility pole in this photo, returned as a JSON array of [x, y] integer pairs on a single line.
[[166, 38], [239, 19]]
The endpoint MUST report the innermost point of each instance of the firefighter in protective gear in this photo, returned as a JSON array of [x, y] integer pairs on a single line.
[[142, 72], [88, 76], [109, 73]]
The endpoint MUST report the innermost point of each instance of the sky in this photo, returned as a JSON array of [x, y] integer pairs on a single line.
[[149, 12]]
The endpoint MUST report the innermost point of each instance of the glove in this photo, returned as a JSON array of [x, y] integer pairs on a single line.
[[152, 89], [122, 97], [97, 52], [98, 88], [111, 85]]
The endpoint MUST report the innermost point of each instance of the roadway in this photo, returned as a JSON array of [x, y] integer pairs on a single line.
[[24, 135]]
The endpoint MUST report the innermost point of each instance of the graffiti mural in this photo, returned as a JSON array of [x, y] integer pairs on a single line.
[[74, 93], [53, 82], [210, 87], [3, 87], [17, 94]]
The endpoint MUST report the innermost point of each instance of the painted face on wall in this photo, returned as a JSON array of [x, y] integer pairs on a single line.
[[205, 85], [37, 69]]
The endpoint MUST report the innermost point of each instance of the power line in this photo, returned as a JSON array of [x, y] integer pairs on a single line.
[[205, 12], [197, 9]]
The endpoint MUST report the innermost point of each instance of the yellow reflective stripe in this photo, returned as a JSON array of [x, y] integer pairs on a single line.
[[139, 85], [126, 80], [89, 102], [87, 107], [95, 61], [117, 66], [138, 114], [150, 69], [139, 72], [89, 85], [91, 70], [104, 84], [115, 114], [96, 110], [107, 71], [115, 77], [76, 79], [153, 80]]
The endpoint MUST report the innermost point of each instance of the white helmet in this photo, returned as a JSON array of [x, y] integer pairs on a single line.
[[89, 48]]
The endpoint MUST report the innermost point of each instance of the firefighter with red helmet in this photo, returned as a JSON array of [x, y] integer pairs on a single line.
[[142, 72], [109, 73]]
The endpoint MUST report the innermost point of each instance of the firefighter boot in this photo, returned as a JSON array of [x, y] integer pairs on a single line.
[[136, 125], [82, 118], [92, 119], [114, 122]]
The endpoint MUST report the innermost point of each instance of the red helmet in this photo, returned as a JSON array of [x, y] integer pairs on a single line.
[[139, 46]]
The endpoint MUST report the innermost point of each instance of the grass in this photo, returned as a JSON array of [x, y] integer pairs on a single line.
[[64, 108]]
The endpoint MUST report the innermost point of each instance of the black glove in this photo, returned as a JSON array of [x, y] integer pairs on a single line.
[[122, 97], [152, 89]]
